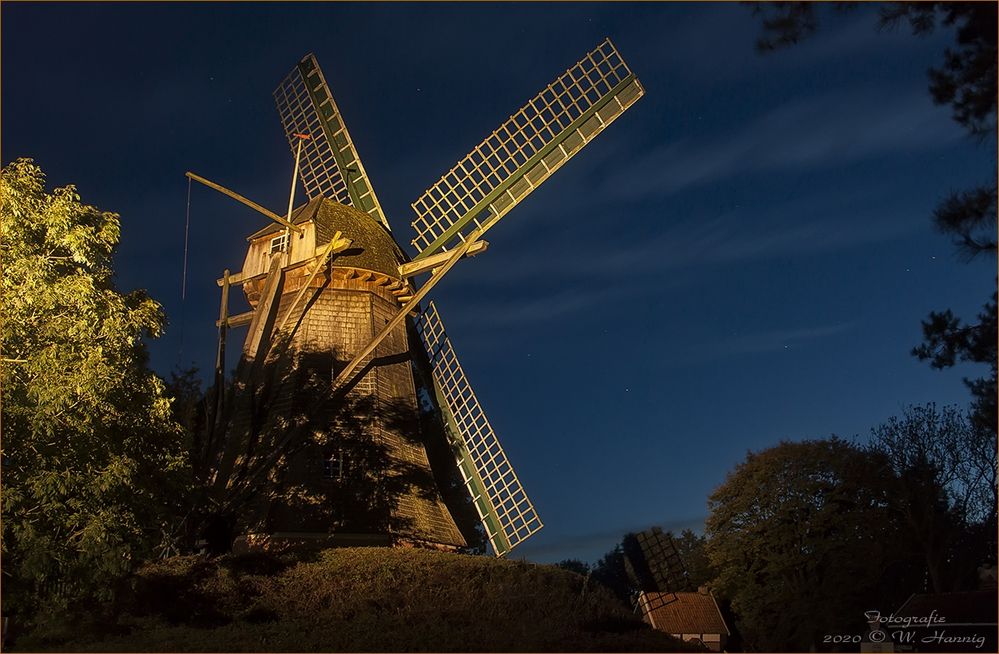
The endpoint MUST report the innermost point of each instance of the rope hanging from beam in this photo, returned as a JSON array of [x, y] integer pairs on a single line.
[[183, 278], [187, 228]]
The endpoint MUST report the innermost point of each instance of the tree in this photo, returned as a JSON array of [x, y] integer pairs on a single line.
[[612, 572], [574, 565], [694, 554], [189, 410], [947, 340], [967, 81], [93, 464], [801, 536], [944, 473]]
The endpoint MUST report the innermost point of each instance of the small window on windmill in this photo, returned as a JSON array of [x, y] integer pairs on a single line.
[[334, 464], [279, 243]]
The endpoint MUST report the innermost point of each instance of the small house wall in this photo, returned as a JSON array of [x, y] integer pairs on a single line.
[[258, 255], [714, 642]]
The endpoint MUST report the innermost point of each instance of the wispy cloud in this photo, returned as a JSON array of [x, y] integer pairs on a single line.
[[778, 339], [743, 234], [832, 129], [624, 270], [842, 35], [761, 342], [524, 310], [535, 309]]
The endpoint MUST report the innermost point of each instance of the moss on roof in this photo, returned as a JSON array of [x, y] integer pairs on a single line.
[[373, 247]]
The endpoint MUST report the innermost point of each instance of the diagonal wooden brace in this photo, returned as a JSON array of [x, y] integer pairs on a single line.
[[456, 254], [336, 245]]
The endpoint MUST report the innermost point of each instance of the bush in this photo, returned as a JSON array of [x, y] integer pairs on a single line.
[[368, 599]]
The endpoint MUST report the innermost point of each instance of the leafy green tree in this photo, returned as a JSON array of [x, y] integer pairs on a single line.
[[801, 535], [93, 464]]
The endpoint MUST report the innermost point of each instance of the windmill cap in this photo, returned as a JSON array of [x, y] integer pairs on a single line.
[[372, 247]]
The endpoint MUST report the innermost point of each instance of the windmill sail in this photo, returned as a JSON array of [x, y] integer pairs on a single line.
[[330, 166], [655, 567], [504, 508], [526, 149]]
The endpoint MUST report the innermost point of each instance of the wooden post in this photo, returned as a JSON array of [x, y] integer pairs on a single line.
[[263, 315], [223, 325], [220, 354], [294, 176]]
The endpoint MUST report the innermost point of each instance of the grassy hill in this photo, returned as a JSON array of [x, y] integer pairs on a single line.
[[364, 599]]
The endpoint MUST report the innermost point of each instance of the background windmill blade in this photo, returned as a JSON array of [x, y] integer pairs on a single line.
[[655, 562], [504, 508], [526, 149], [330, 166]]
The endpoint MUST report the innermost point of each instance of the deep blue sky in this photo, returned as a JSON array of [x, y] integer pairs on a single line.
[[743, 257]]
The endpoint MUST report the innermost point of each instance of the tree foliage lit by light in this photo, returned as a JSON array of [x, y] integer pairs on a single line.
[[92, 459]]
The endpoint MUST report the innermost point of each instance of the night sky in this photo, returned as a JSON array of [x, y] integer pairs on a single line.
[[743, 257]]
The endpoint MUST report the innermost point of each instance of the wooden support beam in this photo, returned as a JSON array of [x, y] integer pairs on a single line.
[[238, 320], [336, 245], [453, 256], [339, 244], [263, 317], [429, 263], [238, 278], [250, 203], [223, 326]]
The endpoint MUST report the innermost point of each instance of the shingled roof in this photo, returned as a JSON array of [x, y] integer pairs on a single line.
[[689, 613]]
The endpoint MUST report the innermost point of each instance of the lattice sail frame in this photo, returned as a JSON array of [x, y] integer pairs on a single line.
[[657, 567], [330, 166], [504, 508], [526, 149]]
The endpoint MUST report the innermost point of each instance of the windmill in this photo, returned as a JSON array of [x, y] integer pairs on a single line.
[[332, 291]]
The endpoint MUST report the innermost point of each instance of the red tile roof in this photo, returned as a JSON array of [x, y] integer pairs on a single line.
[[689, 613]]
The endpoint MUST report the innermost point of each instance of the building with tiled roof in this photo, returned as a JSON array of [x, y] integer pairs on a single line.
[[689, 616]]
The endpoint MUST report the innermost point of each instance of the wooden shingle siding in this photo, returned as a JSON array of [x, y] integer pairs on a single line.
[[357, 301]]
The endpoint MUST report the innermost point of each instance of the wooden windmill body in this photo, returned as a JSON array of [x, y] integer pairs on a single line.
[[347, 377]]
